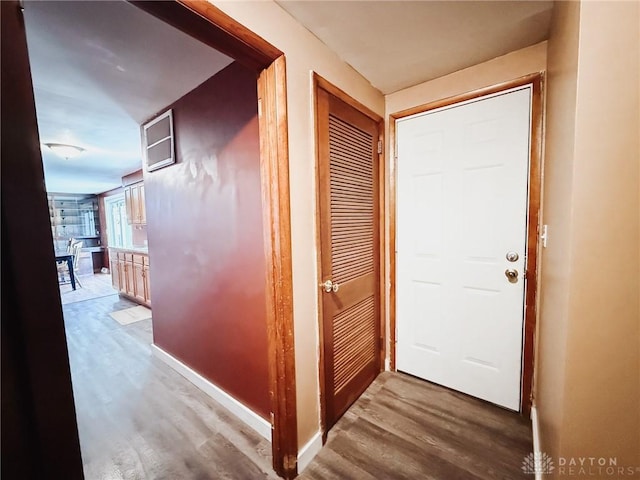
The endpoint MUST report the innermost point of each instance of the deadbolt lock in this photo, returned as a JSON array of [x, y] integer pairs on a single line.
[[512, 256]]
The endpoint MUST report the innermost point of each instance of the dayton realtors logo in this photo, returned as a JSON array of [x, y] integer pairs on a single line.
[[598, 467], [537, 462]]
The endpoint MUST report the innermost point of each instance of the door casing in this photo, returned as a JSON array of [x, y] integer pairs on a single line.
[[533, 226], [320, 83]]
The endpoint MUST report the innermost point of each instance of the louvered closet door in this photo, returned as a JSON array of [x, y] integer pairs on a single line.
[[348, 175]]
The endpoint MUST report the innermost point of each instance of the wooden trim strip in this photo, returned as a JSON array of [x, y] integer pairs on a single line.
[[321, 108], [481, 92], [533, 232], [535, 186], [274, 152], [233, 28], [382, 247], [210, 25], [330, 88], [393, 196]]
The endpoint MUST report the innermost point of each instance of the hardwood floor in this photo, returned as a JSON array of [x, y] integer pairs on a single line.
[[138, 419], [93, 286], [405, 428]]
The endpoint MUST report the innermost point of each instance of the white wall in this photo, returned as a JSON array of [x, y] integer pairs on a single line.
[[588, 382]]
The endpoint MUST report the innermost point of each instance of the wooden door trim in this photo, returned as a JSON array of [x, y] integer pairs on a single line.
[[535, 185], [207, 23], [274, 152], [319, 83]]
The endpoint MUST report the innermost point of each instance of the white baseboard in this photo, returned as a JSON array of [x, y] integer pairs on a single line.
[[308, 451], [535, 428], [245, 414]]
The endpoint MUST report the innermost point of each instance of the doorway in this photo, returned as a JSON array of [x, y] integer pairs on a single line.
[[349, 207], [466, 241]]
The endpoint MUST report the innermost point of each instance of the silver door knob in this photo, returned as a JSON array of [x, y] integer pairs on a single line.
[[512, 275], [329, 286], [512, 256]]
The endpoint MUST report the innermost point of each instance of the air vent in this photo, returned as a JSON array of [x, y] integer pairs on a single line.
[[158, 141]]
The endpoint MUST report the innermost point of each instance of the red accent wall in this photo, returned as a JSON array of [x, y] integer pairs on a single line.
[[204, 227]]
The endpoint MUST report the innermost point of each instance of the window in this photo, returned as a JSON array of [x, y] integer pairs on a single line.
[[118, 230]]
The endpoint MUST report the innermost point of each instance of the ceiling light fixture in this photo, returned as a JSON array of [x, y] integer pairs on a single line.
[[65, 151]]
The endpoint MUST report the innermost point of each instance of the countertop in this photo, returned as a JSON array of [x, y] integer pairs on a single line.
[[144, 250]]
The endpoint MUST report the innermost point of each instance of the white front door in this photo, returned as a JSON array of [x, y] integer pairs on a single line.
[[461, 210]]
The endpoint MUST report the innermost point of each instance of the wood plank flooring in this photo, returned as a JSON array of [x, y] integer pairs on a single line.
[[138, 419], [93, 286], [406, 428]]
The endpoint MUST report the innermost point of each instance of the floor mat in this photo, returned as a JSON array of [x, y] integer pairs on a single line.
[[131, 315]]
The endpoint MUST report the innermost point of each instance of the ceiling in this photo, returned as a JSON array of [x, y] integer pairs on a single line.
[[99, 70], [397, 44]]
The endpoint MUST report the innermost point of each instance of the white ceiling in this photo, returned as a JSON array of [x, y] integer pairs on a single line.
[[99, 70], [397, 44]]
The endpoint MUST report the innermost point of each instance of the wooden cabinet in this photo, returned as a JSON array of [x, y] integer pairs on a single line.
[[134, 204], [141, 205], [127, 274], [115, 271], [139, 290], [130, 274], [145, 273]]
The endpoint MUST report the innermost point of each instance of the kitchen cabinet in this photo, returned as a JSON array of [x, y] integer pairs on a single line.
[[115, 272], [146, 281], [130, 274], [134, 204], [138, 279]]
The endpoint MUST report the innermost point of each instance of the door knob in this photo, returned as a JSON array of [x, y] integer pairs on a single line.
[[329, 286], [512, 275]]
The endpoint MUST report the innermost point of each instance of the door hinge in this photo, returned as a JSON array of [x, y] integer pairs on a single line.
[[379, 146], [259, 107]]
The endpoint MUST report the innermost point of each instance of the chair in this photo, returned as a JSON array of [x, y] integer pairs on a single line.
[[62, 266], [74, 248]]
